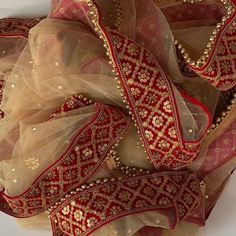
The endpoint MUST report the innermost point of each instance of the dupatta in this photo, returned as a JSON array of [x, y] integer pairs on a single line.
[[65, 137]]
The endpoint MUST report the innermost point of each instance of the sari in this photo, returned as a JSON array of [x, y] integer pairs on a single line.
[[116, 120]]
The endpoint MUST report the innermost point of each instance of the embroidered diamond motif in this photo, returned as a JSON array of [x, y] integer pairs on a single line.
[[109, 201], [220, 70], [75, 166], [152, 104]]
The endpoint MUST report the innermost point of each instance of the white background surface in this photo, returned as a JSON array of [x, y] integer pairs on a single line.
[[9, 8], [222, 221]]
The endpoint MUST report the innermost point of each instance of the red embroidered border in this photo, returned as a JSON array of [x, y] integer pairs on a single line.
[[85, 154], [150, 97], [87, 210], [73, 102], [220, 68], [17, 27]]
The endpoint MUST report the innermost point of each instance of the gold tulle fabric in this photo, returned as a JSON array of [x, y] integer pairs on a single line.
[[63, 57]]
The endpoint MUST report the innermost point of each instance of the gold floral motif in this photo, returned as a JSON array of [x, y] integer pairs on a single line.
[[140, 203], [78, 215], [149, 191], [135, 91], [181, 211], [121, 55], [85, 197], [75, 101], [124, 196], [102, 147], [226, 66], [126, 68], [91, 221], [66, 210], [221, 49], [172, 132], [87, 152], [133, 183], [151, 99], [149, 135], [71, 103], [53, 190], [157, 121], [103, 133], [232, 46], [130, 81], [157, 181], [171, 188], [70, 175], [163, 144], [178, 178], [51, 175], [34, 203], [161, 83], [164, 201], [115, 209], [99, 204], [143, 113], [32, 163], [65, 225], [132, 50], [167, 106], [194, 186], [143, 75], [119, 44], [69, 159], [188, 198], [77, 232]]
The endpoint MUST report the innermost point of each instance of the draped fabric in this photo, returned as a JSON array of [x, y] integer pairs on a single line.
[[118, 117]]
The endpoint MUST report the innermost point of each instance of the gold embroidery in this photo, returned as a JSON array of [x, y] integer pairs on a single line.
[[104, 201], [32, 163], [78, 215]]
